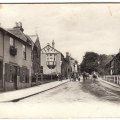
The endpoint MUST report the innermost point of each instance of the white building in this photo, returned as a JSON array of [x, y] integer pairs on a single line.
[[51, 59]]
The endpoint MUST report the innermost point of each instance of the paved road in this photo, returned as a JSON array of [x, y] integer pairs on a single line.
[[72, 92]]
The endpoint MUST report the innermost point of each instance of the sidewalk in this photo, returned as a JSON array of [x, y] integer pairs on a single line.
[[110, 85], [27, 92]]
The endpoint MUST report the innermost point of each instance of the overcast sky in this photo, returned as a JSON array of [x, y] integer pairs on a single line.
[[75, 28]]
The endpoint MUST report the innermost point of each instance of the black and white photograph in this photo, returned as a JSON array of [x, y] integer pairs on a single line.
[[59, 60]]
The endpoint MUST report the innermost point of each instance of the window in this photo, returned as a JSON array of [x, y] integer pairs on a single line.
[[12, 42], [24, 52]]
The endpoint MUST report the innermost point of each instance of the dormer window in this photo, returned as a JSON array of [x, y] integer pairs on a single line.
[[12, 42]]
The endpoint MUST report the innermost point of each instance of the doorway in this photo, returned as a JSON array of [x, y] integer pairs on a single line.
[[14, 76]]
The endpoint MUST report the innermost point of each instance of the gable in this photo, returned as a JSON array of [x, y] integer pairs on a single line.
[[49, 49]]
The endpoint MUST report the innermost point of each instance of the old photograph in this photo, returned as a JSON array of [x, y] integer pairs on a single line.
[[59, 60]]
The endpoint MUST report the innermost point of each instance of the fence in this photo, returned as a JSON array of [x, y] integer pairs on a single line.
[[42, 79], [113, 79]]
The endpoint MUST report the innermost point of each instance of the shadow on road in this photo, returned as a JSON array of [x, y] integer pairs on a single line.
[[100, 91]]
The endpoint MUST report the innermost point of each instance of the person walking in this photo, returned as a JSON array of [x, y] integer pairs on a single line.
[[94, 76]]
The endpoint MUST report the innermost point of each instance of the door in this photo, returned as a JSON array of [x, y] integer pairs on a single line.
[[15, 77]]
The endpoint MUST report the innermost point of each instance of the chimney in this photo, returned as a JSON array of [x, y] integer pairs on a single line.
[[53, 44], [19, 25], [67, 54]]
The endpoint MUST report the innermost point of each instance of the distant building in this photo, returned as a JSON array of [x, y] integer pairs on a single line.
[[51, 59], [68, 65], [15, 59], [113, 67], [74, 65]]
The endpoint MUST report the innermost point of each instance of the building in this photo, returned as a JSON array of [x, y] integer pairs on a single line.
[[67, 65], [15, 59], [36, 60], [113, 67], [74, 65], [51, 59]]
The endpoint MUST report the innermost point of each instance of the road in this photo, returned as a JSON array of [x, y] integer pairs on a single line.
[[70, 100], [75, 91]]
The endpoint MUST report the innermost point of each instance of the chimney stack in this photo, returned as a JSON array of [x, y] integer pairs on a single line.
[[19, 25], [67, 54], [53, 44]]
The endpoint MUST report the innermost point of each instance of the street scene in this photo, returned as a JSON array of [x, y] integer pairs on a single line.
[[75, 91], [59, 62]]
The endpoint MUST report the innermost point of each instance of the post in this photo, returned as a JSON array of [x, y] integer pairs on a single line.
[[51, 74]]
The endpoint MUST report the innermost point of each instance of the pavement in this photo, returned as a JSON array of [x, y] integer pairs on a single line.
[[14, 96], [109, 85]]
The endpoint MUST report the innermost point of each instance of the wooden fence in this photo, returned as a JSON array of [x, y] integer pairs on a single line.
[[113, 79]]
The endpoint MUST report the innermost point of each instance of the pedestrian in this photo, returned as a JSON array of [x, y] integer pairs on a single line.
[[84, 76], [74, 77], [94, 76], [79, 77]]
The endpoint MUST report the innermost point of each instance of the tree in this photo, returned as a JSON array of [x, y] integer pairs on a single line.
[[90, 62], [95, 62]]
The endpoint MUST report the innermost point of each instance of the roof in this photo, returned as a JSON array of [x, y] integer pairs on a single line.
[[112, 58], [33, 37], [19, 34], [52, 48], [35, 40]]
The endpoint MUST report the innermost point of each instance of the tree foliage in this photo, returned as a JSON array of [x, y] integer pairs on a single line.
[[95, 62], [90, 62]]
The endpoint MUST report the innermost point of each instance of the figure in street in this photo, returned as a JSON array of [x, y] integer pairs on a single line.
[[94, 76]]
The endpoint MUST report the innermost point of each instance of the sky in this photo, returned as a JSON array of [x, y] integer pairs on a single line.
[[75, 28]]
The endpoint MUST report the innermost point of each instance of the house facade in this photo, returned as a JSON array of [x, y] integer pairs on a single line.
[[113, 67], [74, 65], [51, 60], [15, 59]]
